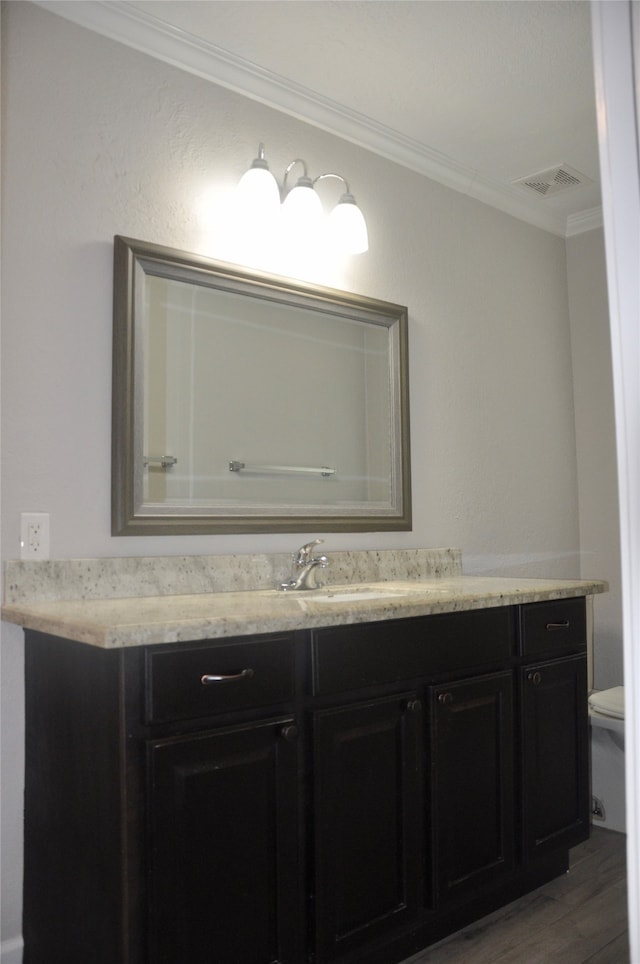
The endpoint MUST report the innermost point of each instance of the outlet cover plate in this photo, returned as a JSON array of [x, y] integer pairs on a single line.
[[34, 535]]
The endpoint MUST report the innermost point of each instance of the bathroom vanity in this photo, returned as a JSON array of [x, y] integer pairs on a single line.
[[333, 776]]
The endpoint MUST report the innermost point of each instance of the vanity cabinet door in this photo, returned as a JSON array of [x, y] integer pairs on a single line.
[[555, 754], [224, 836], [472, 782], [368, 836]]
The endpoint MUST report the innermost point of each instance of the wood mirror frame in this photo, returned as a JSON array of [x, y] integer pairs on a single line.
[[309, 321]]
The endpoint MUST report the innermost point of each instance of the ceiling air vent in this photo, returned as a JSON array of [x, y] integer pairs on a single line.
[[556, 179]]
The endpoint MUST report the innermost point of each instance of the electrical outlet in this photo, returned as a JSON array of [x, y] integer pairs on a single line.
[[34, 535]]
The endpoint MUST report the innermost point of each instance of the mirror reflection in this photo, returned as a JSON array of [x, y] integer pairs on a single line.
[[253, 403]]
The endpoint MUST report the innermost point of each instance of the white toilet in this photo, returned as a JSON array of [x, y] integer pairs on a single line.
[[606, 715]]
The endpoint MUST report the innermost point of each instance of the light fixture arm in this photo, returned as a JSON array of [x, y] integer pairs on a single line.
[[321, 177], [305, 175], [261, 156]]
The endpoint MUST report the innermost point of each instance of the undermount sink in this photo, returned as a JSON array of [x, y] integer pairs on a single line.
[[360, 592], [353, 595]]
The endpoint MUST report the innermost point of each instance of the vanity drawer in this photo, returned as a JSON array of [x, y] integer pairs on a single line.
[[353, 657], [188, 683], [559, 624]]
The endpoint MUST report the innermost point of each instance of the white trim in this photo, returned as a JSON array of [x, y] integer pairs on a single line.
[[583, 221], [11, 951], [620, 176], [137, 28]]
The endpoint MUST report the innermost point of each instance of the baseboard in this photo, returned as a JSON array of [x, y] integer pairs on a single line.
[[11, 951]]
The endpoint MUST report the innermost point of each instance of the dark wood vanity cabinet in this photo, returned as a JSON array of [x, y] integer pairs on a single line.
[[414, 791], [554, 733], [162, 817], [472, 783], [349, 794], [222, 862], [223, 880], [367, 821], [555, 755]]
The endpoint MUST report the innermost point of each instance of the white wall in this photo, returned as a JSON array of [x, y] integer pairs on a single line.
[[596, 445], [100, 140]]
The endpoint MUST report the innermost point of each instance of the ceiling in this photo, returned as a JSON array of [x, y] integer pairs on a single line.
[[473, 93]]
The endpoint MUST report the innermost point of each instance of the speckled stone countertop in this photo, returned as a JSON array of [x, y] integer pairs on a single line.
[[93, 601]]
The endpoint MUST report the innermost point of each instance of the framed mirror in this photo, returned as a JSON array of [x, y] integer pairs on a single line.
[[244, 402]]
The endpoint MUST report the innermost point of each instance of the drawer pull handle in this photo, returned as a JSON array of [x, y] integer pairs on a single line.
[[414, 706], [550, 627], [445, 698], [208, 679], [535, 678]]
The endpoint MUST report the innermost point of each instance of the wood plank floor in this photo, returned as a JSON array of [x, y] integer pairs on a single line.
[[580, 917]]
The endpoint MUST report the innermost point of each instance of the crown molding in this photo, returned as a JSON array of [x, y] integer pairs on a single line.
[[136, 28], [584, 221]]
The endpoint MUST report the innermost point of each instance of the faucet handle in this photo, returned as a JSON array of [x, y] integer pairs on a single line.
[[303, 555]]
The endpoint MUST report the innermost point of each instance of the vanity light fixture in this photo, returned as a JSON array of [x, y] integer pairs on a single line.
[[346, 221], [301, 208], [302, 211], [258, 189]]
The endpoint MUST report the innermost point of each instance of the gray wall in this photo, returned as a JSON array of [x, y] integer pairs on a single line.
[[101, 140]]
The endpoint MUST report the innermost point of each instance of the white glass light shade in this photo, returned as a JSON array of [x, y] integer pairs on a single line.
[[302, 208], [347, 226], [258, 193]]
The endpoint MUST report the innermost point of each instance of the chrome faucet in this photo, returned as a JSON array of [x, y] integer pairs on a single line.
[[305, 568]]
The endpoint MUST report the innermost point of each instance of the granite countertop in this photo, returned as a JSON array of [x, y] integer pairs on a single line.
[[142, 620]]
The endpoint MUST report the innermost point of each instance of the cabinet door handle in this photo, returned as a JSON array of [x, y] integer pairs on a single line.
[[535, 678], [445, 698], [289, 733], [551, 627], [210, 678], [414, 706]]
